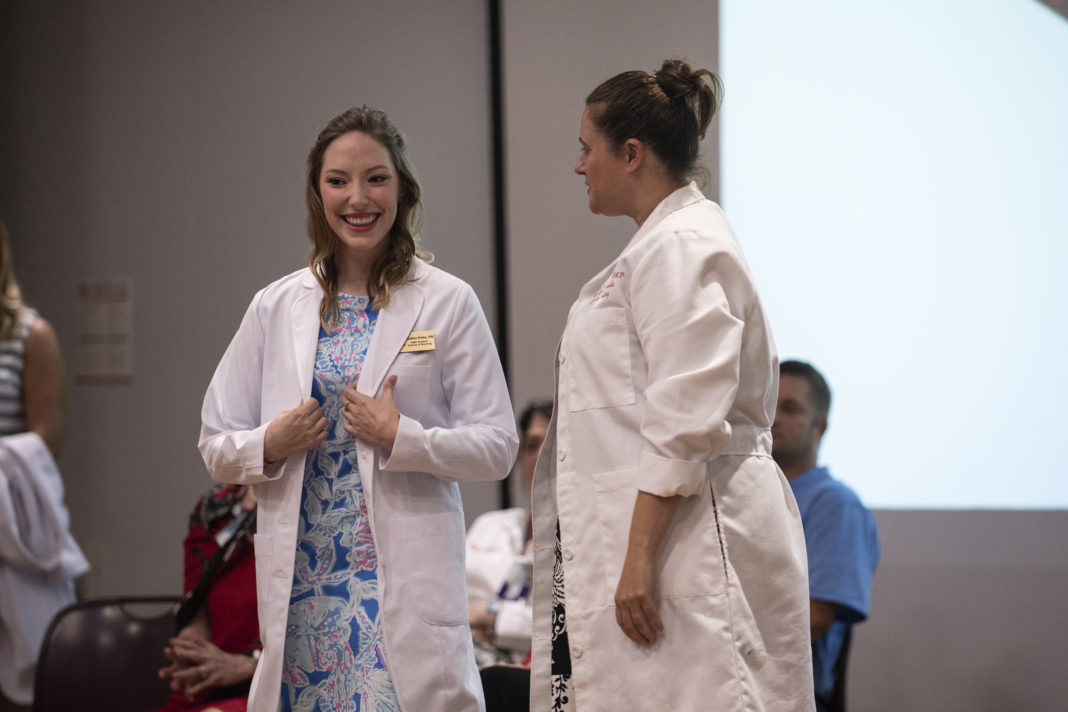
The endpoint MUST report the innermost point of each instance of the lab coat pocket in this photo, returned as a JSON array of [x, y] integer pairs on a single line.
[[413, 385], [432, 547], [597, 359], [616, 492]]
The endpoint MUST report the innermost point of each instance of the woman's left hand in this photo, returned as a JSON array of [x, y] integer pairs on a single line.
[[371, 420], [636, 611], [636, 608]]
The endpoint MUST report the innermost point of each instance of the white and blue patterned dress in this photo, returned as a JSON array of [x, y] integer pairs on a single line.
[[334, 653]]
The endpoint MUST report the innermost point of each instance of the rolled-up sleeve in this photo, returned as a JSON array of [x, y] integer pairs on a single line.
[[691, 335]]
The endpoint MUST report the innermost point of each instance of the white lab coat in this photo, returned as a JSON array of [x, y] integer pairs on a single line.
[[497, 553], [39, 558], [456, 425], [666, 381]]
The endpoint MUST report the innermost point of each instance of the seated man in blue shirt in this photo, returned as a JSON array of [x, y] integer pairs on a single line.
[[840, 533]]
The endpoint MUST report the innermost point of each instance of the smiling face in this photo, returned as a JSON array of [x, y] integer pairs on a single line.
[[604, 169], [359, 187]]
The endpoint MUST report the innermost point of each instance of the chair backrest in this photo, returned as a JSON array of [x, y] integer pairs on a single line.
[[105, 653]]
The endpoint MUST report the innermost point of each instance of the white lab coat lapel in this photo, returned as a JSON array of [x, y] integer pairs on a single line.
[[392, 330], [675, 201], [304, 322], [394, 325]]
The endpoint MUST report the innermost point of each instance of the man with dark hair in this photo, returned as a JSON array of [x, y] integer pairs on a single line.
[[843, 544]]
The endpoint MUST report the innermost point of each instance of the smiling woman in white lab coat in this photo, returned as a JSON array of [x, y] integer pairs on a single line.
[[669, 557], [354, 396]]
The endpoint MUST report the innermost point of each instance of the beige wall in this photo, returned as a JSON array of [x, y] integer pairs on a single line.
[[968, 614], [165, 142], [556, 53]]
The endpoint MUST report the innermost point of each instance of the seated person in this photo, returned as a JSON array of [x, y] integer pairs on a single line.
[[500, 560], [214, 655], [840, 534]]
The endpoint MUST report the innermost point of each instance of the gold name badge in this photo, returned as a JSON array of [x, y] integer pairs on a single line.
[[419, 341]]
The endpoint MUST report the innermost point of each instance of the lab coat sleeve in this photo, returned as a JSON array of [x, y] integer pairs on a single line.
[[231, 435], [514, 626], [691, 336], [480, 442], [484, 550]]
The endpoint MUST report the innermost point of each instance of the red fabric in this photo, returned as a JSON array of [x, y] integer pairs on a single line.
[[231, 604], [177, 703]]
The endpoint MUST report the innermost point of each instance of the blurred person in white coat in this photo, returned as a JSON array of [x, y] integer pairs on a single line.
[[355, 395], [500, 559], [669, 557]]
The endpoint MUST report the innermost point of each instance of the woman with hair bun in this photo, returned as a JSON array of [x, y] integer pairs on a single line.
[[669, 561]]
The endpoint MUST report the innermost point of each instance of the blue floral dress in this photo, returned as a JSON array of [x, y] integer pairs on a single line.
[[334, 653]]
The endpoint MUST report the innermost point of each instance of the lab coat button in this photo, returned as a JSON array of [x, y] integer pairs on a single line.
[[562, 456], [568, 554], [562, 358], [576, 652]]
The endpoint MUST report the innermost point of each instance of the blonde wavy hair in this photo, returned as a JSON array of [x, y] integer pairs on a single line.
[[11, 304], [392, 267]]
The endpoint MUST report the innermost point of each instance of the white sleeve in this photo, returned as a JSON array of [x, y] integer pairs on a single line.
[[514, 625], [481, 442], [231, 435], [484, 555], [692, 336]]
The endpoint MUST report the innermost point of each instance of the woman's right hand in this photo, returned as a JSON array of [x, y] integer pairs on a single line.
[[294, 431]]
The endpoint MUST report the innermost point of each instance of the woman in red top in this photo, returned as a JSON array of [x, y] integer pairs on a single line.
[[214, 656]]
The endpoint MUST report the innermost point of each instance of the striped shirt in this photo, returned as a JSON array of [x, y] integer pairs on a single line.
[[12, 350]]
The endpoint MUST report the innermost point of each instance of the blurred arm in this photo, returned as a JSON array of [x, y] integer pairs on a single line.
[[44, 384]]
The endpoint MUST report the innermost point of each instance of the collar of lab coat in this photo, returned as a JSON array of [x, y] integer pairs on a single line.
[[392, 329], [681, 198], [684, 196]]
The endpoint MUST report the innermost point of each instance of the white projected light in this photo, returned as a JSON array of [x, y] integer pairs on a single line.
[[897, 174]]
